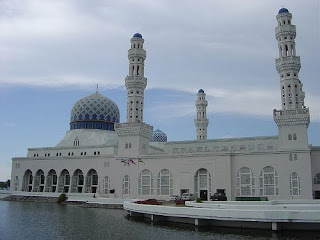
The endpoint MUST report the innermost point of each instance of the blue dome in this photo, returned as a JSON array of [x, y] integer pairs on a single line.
[[200, 91], [137, 35], [94, 112], [158, 136], [283, 10]]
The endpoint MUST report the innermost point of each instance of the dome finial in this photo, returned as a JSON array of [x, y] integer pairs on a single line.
[[97, 88]]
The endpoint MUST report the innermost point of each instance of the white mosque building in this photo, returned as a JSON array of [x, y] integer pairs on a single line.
[[129, 160]]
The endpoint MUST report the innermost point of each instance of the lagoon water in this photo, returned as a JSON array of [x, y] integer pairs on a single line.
[[27, 220]]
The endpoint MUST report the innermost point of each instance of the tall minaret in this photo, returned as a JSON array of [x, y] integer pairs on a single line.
[[135, 81], [134, 135], [201, 122], [293, 119]]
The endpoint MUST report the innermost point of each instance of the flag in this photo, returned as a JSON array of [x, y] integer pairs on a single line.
[[131, 161], [140, 161]]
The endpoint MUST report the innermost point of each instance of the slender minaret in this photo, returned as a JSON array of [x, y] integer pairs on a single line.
[[201, 122], [293, 119], [134, 135], [135, 81]]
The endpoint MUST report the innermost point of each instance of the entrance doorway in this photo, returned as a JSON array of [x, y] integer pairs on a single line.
[[204, 195]]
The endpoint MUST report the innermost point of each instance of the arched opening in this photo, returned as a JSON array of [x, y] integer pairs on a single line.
[[287, 50], [64, 181], [245, 182], [27, 181], [165, 182], [16, 183], [202, 184], [295, 184], [77, 181], [91, 181], [269, 182], [145, 183], [51, 182], [106, 185], [39, 181], [126, 185], [316, 179]]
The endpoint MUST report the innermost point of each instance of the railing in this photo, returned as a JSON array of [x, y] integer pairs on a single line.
[[286, 29], [132, 125], [278, 113], [295, 59]]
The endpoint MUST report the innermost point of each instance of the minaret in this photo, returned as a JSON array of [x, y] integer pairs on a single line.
[[135, 81], [201, 122], [134, 135], [293, 119]]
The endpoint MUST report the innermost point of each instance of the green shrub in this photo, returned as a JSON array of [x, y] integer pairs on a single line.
[[198, 200], [62, 198]]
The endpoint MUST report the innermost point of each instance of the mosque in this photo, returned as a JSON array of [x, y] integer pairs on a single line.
[[100, 155]]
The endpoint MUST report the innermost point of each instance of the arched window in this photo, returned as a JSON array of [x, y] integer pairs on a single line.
[[126, 185], [245, 182], [316, 179], [39, 181], [91, 181], [202, 184], [289, 137], [294, 136], [64, 181], [165, 182], [145, 183], [77, 181], [27, 181], [129, 145], [126, 145], [51, 182], [106, 185], [76, 142], [16, 183], [269, 182], [295, 184]]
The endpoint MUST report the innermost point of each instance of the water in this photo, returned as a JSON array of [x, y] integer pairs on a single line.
[[23, 220]]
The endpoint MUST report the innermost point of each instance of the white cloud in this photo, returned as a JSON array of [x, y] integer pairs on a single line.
[[10, 124], [227, 48]]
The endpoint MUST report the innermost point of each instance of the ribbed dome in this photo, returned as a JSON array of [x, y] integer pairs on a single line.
[[200, 91], [94, 112], [158, 136]]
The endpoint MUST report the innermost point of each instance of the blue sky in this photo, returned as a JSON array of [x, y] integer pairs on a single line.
[[54, 52]]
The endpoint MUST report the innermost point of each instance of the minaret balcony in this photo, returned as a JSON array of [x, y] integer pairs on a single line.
[[201, 122], [292, 117], [136, 81], [288, 63], [137, 52], [285, 30]]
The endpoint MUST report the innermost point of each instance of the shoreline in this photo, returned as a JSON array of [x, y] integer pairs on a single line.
[[85, 203]]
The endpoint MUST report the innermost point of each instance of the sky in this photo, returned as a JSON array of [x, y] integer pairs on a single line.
[[54, 52]]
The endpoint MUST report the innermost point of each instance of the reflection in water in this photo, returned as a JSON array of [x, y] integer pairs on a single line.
[[52, 221]]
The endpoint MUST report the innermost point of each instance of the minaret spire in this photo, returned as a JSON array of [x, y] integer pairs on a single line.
[[293, 118], [201, 122], [135, 81]]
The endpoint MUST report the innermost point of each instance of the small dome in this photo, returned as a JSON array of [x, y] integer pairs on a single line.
[[94, 112], [137, 35], [283, 10], [200, 91], [158, 136]]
